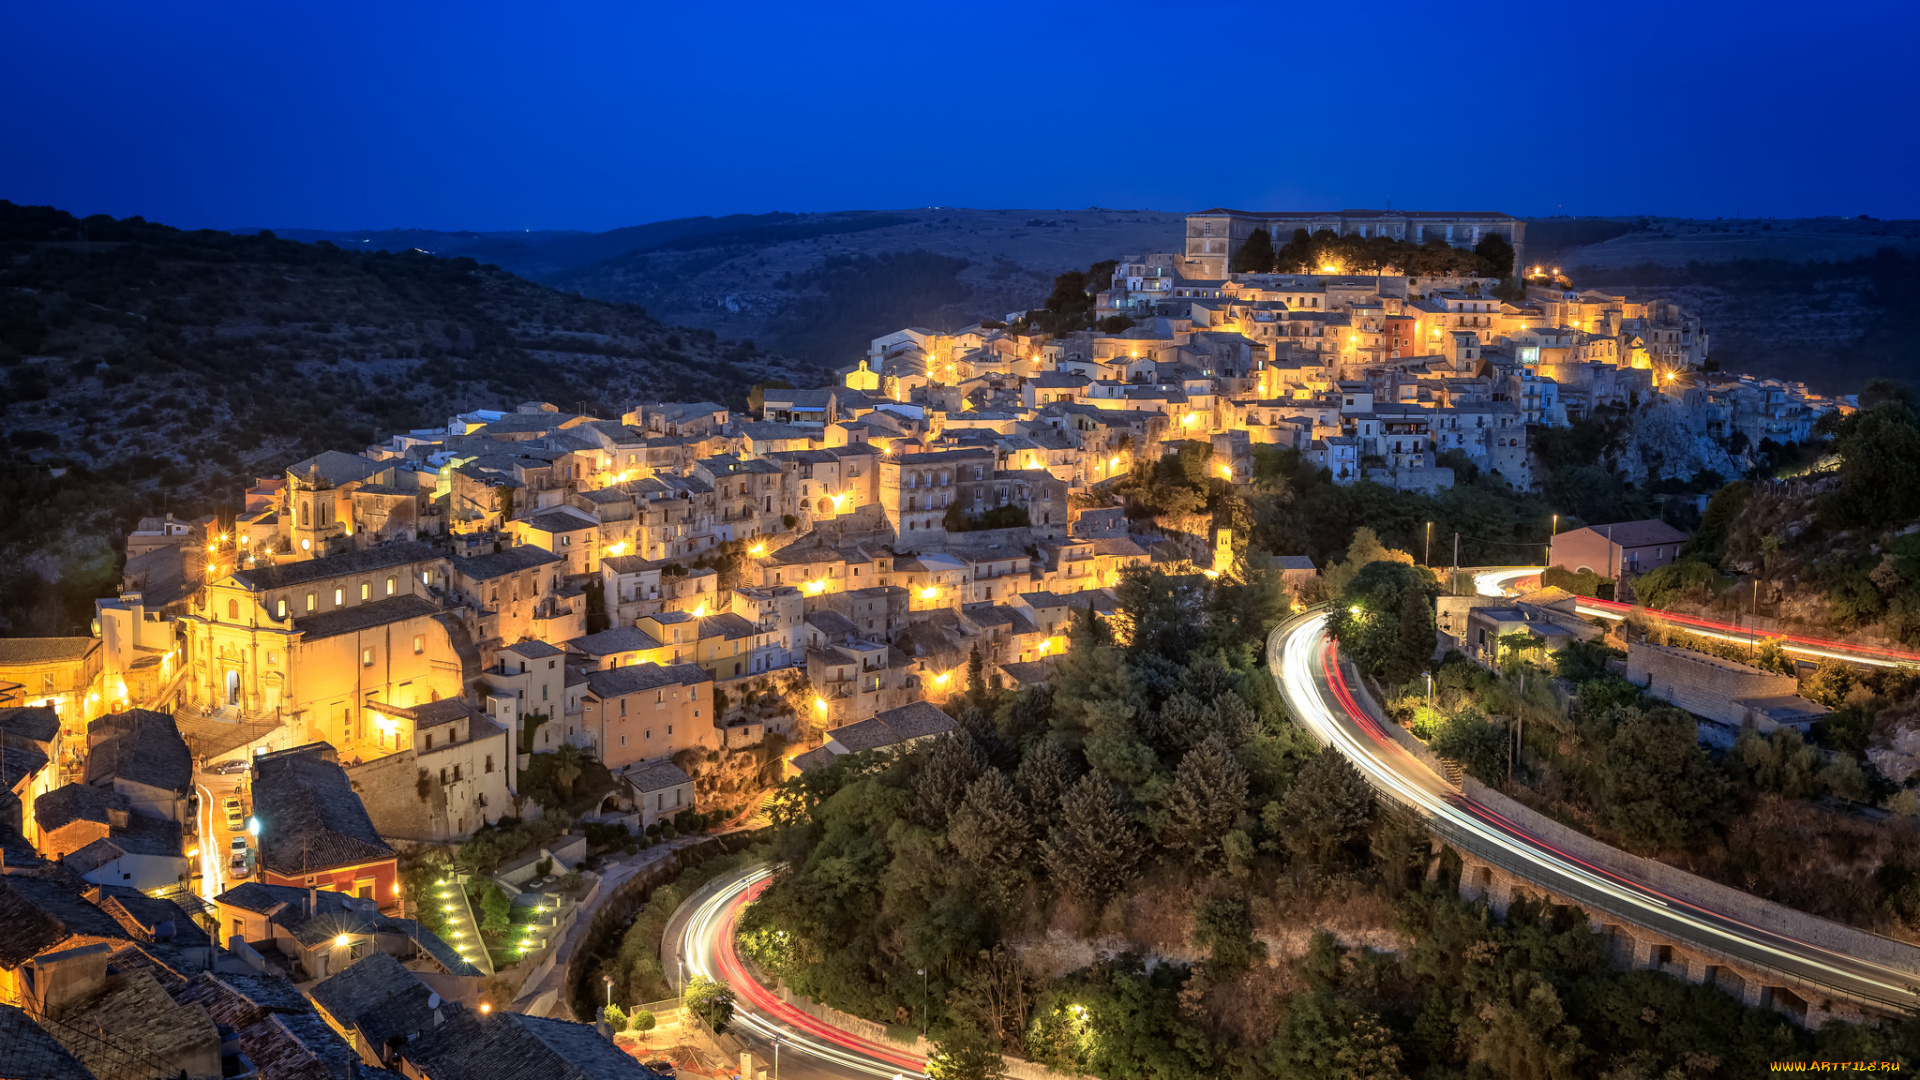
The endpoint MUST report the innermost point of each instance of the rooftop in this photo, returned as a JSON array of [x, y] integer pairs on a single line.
[[310, 819], [286, 575], [139, 746], [352, 620]]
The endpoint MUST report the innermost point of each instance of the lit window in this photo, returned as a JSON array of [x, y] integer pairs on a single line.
[[339, 597], [419, 644], [280, 608], [391, 584], [366, 657], [366, 590], [313, 601]]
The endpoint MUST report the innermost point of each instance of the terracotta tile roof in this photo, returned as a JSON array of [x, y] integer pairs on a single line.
[[27, 1050], [142, 746], [45, 650], [310, 819], [40, 914], [510, 1046]]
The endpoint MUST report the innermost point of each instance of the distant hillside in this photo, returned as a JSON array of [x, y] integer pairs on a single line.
[[814, 286], [163, 368]]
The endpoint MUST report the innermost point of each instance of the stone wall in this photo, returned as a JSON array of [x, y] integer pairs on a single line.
[[1703, 685]]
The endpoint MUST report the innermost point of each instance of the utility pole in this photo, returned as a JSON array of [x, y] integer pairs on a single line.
[[1454, 585]]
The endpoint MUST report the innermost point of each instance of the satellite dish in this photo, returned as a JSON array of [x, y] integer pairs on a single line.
[[433, 1001]]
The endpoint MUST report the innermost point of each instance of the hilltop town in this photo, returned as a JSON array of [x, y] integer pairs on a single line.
[[636, 626]]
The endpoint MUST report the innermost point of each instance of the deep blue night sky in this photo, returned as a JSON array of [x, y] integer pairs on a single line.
[[594, 115]]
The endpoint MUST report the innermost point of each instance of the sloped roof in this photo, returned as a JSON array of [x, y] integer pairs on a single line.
[[335, 467], [505, 561], [658, 777], [45, 650], [510, 1046], [1630, 534], [352, 620], [285, 575], [141, 746], [617, 640], [310, 819], [39, 914], [26, 1050], [380, 997]]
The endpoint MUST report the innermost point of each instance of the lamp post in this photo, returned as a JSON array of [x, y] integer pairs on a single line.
[[776, 1057], [608, 979], [923, 1001], [1428, 557]]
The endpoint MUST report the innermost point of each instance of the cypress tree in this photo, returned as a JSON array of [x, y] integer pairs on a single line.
[[1255, 256], [1092, 852], [991, 827], [1046, 775], [954, 764], [1209, 795]]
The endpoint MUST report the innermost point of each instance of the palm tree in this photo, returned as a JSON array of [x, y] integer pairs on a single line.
[[566, 769]]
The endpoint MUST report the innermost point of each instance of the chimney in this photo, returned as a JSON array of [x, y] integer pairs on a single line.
[[313, 901]]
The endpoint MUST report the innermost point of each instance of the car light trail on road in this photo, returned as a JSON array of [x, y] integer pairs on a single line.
[[1305, 662], [1503, 581], [707, 942]]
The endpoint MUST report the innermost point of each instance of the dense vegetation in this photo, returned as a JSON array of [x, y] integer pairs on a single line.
[[1329, 252], [1070, 306], [1122, 875], [164, 368]]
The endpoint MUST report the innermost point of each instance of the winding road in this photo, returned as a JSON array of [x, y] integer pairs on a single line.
[[1305, 661], [703, 934]]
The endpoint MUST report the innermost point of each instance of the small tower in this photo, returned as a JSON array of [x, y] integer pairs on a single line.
[[314, 528]]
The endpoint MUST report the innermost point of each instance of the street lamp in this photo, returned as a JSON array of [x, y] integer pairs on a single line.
[[776, 1057], [923, 1001], [608, 979], [1429, 556]]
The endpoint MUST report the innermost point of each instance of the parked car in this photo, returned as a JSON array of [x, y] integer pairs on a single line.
[[237, 866], [236, 815], [240, 844], [233, 767]]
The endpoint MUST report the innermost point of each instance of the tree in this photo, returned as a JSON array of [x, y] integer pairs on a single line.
[[757, 396], [1158, 613], [1657, 786], [1223, 925], [1363, 550], [1209, 795], [1326, 1034], [951, 767], [566, 769], [1092, 852], [991, 827], [642, 1021], [976, 679], [1497, 254], [1477, 744], [615, 1018], [1328, 808], [1046, 774], [1384, 619], [1880, 465], [964, 1056], [1255, 255], [712, 1002], [496, 910]]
